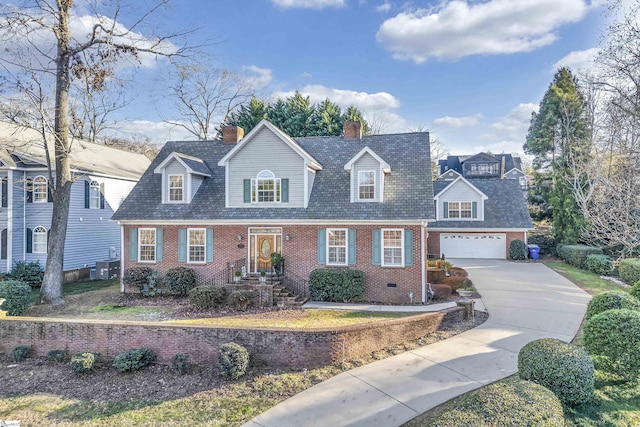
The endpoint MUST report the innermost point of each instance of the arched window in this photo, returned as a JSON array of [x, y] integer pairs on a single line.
[[266, 187], [94, 195], [40, 240], [40, 189]]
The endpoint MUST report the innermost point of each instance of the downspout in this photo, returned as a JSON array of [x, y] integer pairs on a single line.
[[423, 226], [9, 219], [24, 216], [121, 258]]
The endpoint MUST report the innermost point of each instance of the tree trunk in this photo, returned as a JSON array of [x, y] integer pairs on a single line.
[[51, 291]]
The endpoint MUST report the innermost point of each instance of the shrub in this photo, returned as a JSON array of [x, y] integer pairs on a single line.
[[242, 299], [180, 363], [635, 290], [629, 270], [336, 284], [546, 242], [576, 255], [207, 296], [613, 338], [438, 263], [458, 271], [457, 282], [134, 359], [518, 250], [233, 360], [441, 291], [180, 280], [565, 369], [512, 402], [28, 272], [599, 264], [142, 278], [21, 352], [17, 295], [58, 356], [609, 301], [85, 362]]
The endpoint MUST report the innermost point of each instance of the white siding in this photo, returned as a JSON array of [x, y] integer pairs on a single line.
[[196, 182], [460, 192], [173, 168], [365, 163], [266, 151], [311, 177]]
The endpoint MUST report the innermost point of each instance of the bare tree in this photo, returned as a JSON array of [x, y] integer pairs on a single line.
[[438, 149], [38, 40], [378, 124], [205, 96]]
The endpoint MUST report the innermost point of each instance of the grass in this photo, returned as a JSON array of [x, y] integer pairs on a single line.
[[76, 288], [590, 282]]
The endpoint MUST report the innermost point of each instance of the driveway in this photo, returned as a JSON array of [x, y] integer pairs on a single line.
[[525, 301]]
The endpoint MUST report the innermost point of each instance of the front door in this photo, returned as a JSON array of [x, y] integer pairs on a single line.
[[266, 245], [262, 243]]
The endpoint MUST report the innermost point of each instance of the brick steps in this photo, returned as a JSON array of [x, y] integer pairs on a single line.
[[283, 298]]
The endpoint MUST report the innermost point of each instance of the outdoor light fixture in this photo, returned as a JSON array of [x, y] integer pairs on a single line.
[[287, 237], [239, 236]]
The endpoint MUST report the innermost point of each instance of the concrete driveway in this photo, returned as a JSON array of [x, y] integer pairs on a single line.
[[525, 301]]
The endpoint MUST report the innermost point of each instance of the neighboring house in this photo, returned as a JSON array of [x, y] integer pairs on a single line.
[[476, 218], [355, 201], [484, 166], [103, 177]]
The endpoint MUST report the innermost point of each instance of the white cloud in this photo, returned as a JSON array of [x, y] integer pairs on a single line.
[[499, 147], [578, 60], [512, 128], [308, 4], [458, 122], [384, 7], [461, 28], [261, 77], [157, 132]]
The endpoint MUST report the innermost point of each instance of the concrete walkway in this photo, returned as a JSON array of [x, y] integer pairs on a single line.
[[526, 301], [378, 307]]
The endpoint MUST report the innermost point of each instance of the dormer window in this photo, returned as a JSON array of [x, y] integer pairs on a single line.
[[94, 195], [176, 188], [460, 209], [40, 189], [266, 188], [366, 185]]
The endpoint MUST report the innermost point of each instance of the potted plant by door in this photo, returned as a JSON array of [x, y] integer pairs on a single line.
[[238, 276], [276, 262], [263, 276]]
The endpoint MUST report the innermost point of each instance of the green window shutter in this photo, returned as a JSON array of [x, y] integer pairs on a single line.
[[87, 192], [284, 182], [29, 187], [408, 248], [247, 191], [159, 244], [377, 247], [352, 247], [29, 240], [209, 244], [182, 245], [102, 196], [445, 212], [322, 246], [474, 210], [133, 244]]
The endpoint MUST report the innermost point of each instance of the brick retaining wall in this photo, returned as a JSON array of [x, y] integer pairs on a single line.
[[275, 347]]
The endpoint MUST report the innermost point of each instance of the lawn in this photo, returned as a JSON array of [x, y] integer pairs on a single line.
[[77, 288], [590, 282]]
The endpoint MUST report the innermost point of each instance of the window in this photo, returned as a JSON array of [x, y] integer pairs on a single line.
[[336, 246], [459, 209], [266, 188], [523, 181], [94, 195], [392, 247], [40, 240], [366, 185], [40, 189], [197, 243], [147, 244], [176, 188]]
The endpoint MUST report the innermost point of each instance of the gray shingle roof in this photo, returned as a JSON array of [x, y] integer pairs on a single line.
[[196, 165], [408, 190], [505, 207]]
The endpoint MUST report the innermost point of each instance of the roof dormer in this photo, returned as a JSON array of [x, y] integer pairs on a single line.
[[367, 171], [182, 176]]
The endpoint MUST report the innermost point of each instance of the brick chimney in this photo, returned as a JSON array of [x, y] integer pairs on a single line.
[[232, 134], [352, 130]]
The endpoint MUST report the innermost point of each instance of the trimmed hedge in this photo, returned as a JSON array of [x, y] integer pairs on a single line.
[[233, 360], [609, 301], [242, 299], [513, 402], [30, 273], [565, 369], [635, 290], [85, 362], [576, 255], [457, 282], [180, 363], [207, 296], [613, 339], [58, 356], [17, 295], [458, 271], [21, 352], [134, 359], [599, 264], [142, 278], [336, 284], [546, 242], [180, 280], [518, 250], [629, 270]]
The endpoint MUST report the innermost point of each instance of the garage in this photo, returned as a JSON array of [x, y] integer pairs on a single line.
[[470, 245]]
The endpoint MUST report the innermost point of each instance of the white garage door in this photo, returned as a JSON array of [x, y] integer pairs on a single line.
[[468, 245]]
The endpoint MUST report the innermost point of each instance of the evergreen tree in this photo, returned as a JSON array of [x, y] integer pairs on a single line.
[[248, 115], [354, 115], [326, 119], [298, 115]]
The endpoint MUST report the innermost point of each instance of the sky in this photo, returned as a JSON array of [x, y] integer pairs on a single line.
[[470, 71]]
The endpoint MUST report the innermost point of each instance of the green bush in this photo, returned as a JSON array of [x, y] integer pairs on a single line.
[[180, 280], [58, 356], [457, 282], [546, 242], [21, 352], [613, 339], [17, 295], [458, 272], [336, 284], [609, 301], [563, 368], [512, 402], [142, 278], [599, 264], [576, 255], [85, 362], [242, 299], [207, 296], [233, 360], [28, 272], [518, 250], [635, 290], [134, 359], [180, 363], [629, 270]]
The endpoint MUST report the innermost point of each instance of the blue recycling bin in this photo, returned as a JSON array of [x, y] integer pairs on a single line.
[[534, 251]]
